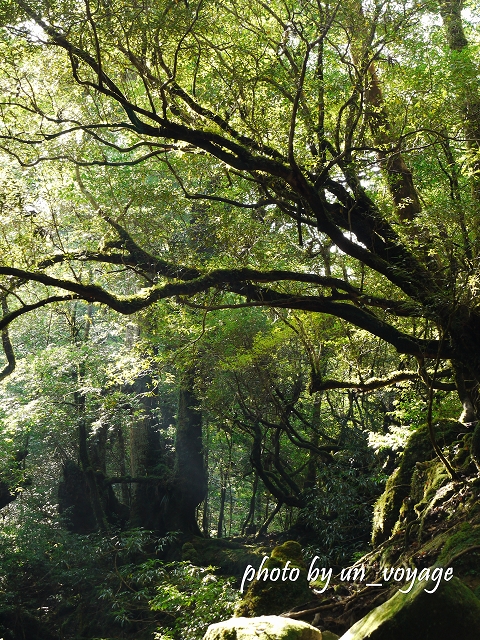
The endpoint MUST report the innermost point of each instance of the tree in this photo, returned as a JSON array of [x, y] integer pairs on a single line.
[[287, 123]]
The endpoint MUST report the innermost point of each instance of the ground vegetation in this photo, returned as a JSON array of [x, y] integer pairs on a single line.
[[239, 258]]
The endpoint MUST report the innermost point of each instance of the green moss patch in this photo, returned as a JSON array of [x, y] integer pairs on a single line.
[[264, 597], [467, 536], [419, 449], [229, 556], [262, 628], [450, 612]]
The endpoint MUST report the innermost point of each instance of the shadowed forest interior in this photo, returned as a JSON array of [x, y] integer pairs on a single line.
[[239, 252]]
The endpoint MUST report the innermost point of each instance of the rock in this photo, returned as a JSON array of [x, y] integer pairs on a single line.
[[267, 597], [418, 449], [262, 628], [190, 554], [328, 635], [475, 446], [229, 556], [452, 611]]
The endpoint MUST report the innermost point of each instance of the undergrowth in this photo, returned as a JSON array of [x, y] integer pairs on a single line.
[[110, 586]]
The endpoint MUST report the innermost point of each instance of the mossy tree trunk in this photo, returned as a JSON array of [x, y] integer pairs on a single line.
[[190, 478], [91, 478], [247, 526], [146, 458], [464, 74]]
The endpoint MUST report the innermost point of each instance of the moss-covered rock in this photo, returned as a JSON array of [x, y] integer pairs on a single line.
[[468, 535], [288, 551], [464, 547], [475, 446], [427, 481], [418, 449], [462, 460], [435, 475], [452, 611], [387, 508], [266, 597], [329, 635], [229, 556], [262, 628], [190, 554]]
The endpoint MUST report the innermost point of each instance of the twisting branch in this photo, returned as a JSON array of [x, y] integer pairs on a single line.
[[378, 383], [431, 432], [238, 281], [7, 345], [378, 247], [10, 316], [270, 480]]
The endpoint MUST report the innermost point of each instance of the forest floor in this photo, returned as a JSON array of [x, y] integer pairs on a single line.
[[447, 536], [130, 586]]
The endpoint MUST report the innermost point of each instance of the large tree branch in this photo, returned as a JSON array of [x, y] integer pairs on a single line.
[[381, 251], [361, 318], [239, 281], [7, 345], [394, 307], [9, 317], [376, 383]]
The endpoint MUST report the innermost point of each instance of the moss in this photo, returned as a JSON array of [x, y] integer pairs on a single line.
[[328, 635], [387, 508], [452, 611], [265, 597], [190, 554], [288, 551], [398, 487], [467, 536], [229, 556], [262, 628], [436, 476], [425, 483], [418, 485], [462, 458]]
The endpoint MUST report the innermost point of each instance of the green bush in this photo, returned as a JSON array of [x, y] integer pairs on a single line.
[[339, 509], [193, 597]]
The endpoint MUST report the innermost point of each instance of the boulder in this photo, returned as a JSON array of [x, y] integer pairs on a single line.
[[266, 597], [452, 611], [229, 556], [418, 449], [262, 628]]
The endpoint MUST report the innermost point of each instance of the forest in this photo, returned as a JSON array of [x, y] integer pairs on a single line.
[[240, 322]]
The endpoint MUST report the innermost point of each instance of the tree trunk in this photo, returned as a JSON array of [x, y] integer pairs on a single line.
[[250, 519], [122, 468], [465, 82], [190, 481], [206, 506], [263, 529], [311, 476], [145, 459], [6, 497], [92, 485], [223, 496], [398, 175]]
